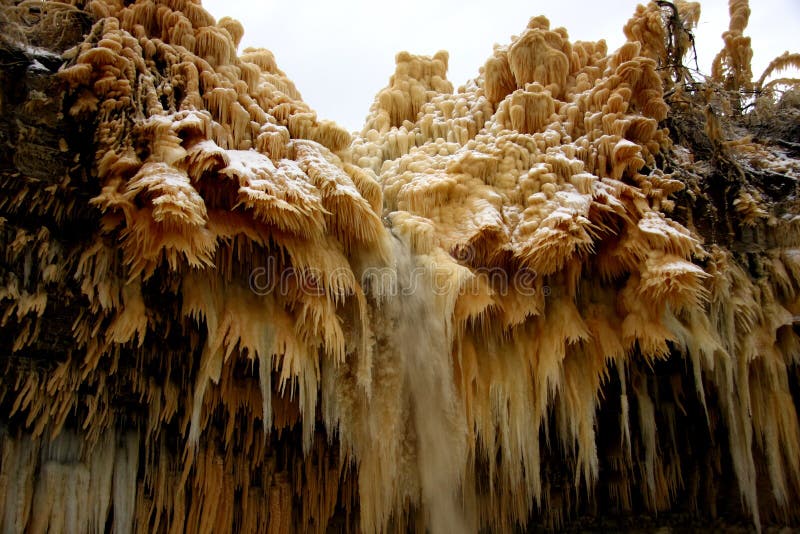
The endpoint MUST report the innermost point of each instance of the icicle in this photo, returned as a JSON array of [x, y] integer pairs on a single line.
[[126, 466]]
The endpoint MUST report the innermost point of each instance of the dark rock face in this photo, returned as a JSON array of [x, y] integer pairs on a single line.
[[44, 177]]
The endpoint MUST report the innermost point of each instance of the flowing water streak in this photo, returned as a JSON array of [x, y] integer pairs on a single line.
[[409, 434], [423, 338]]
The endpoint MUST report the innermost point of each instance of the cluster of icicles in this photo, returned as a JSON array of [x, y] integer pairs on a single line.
[[396, 329]]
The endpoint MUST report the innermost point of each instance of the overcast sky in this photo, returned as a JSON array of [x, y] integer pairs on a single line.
[[340, 53]]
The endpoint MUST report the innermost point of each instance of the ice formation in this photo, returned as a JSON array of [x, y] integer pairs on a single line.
[[496, 306]]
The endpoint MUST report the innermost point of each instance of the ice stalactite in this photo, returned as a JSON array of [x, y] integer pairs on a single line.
[[567, 289]]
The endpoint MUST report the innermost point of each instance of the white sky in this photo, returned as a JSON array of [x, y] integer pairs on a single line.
[[341, 53]]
